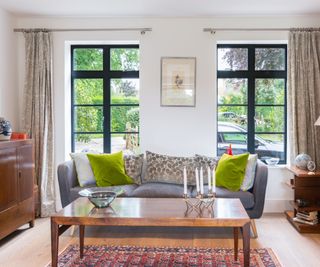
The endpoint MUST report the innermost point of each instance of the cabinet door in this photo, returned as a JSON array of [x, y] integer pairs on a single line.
[[26, 172], [8, 178]]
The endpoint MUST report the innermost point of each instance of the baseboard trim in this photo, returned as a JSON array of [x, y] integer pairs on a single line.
[[276, 205]]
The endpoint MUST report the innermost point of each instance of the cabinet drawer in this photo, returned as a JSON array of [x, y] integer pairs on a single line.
[[8, 178], [25, 172]]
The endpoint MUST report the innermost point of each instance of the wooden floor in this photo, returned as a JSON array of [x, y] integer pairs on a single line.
[[31, 247]]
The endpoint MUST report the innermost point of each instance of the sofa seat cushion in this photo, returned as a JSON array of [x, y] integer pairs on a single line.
[[159, 190], [74, 192], [246, 197]]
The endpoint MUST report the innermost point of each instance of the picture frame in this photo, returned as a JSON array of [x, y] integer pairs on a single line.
[[178, 81]]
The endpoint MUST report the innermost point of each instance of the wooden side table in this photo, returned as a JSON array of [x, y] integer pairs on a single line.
[[306, 187]]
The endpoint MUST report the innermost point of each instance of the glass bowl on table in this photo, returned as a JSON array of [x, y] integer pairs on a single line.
[[100, 197]]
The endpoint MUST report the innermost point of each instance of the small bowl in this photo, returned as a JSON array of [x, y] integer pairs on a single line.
[[102, 199], [272, 161]]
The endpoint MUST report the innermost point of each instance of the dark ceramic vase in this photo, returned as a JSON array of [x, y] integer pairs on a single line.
[[5, 130]]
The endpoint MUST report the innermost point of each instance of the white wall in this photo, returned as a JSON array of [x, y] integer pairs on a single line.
[[8, 89], [174, 131]]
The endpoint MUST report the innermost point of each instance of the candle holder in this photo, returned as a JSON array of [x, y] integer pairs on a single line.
[[200, 203]]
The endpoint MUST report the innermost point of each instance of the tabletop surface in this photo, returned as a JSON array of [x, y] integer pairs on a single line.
[[154, 211]]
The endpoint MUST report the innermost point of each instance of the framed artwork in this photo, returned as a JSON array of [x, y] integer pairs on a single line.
[[178, 81]]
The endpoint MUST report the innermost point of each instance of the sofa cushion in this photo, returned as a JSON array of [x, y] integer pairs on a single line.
[[74, 192], [159, 190], [250, 173], [246, 197], [205, 162], [168, 169], [109, 169], [132, 163], [84, 171], [231, 170], [133, 166]]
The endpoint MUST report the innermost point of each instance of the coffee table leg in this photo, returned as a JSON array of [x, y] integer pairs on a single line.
[[81, 239], [235, 240], [246, 244], [54, 243]]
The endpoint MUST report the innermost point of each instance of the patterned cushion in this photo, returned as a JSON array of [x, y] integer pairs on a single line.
[[168, 169], [205, 161], [133, 166], [248, 180]]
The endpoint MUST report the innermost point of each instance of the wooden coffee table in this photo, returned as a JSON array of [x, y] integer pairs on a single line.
[[162, 212]]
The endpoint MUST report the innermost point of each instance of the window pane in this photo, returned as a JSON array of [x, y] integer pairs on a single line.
[[88, 142], [87, 59], [232, 91], [88, 91], [269, 119], [232, 59], [270, 146], [232, 119], [88, 119], [270, 91], [124, 59], [270, 59], [124, 119], [125, 91], [238, 142], [121, 142]]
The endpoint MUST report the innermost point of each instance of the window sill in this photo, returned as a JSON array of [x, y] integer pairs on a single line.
[[278, 166]]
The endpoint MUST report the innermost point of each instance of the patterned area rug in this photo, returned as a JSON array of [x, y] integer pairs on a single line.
[[117, 256]]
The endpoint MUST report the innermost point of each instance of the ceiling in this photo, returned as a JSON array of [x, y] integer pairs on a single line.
[[166, 8]]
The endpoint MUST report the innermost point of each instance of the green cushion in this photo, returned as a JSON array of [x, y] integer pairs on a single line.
[[231, 170], [109, 169]]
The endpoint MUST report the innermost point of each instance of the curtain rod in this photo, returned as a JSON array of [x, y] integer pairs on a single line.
[[141, 30], [214, 30]]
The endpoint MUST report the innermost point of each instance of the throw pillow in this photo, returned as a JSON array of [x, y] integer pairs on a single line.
[[205, 161], [133, 166], [109, 169], [231, 170], [83, 169], [250, 173], [168, 169]]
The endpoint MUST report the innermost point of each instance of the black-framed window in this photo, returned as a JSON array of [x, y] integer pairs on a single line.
[[251, 99], [105, 97]]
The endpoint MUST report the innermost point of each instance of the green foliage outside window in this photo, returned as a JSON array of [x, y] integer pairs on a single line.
[[90, 92]]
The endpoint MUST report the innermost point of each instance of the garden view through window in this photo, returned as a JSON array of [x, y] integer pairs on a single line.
[[252, 99], [105, 97]]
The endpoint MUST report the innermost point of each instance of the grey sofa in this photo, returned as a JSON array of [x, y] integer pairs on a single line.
[[252, 200]]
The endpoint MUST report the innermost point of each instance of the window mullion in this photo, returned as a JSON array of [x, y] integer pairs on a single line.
[[251, 99], [106, 100], [72, 100]]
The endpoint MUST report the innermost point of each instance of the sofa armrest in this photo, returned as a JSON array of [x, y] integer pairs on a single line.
[[259, 190], [67, 178]]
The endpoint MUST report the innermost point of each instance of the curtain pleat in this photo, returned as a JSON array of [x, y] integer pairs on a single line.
[[304, 93], [38, 113]]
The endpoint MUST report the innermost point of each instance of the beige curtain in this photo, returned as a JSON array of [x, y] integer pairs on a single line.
[[304, 92], [38, 113]]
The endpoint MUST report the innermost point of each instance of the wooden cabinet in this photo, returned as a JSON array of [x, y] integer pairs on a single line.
[[16, 185], [306, 187]]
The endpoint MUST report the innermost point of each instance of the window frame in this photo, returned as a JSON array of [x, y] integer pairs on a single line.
[[106, 74], [251, 75]]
